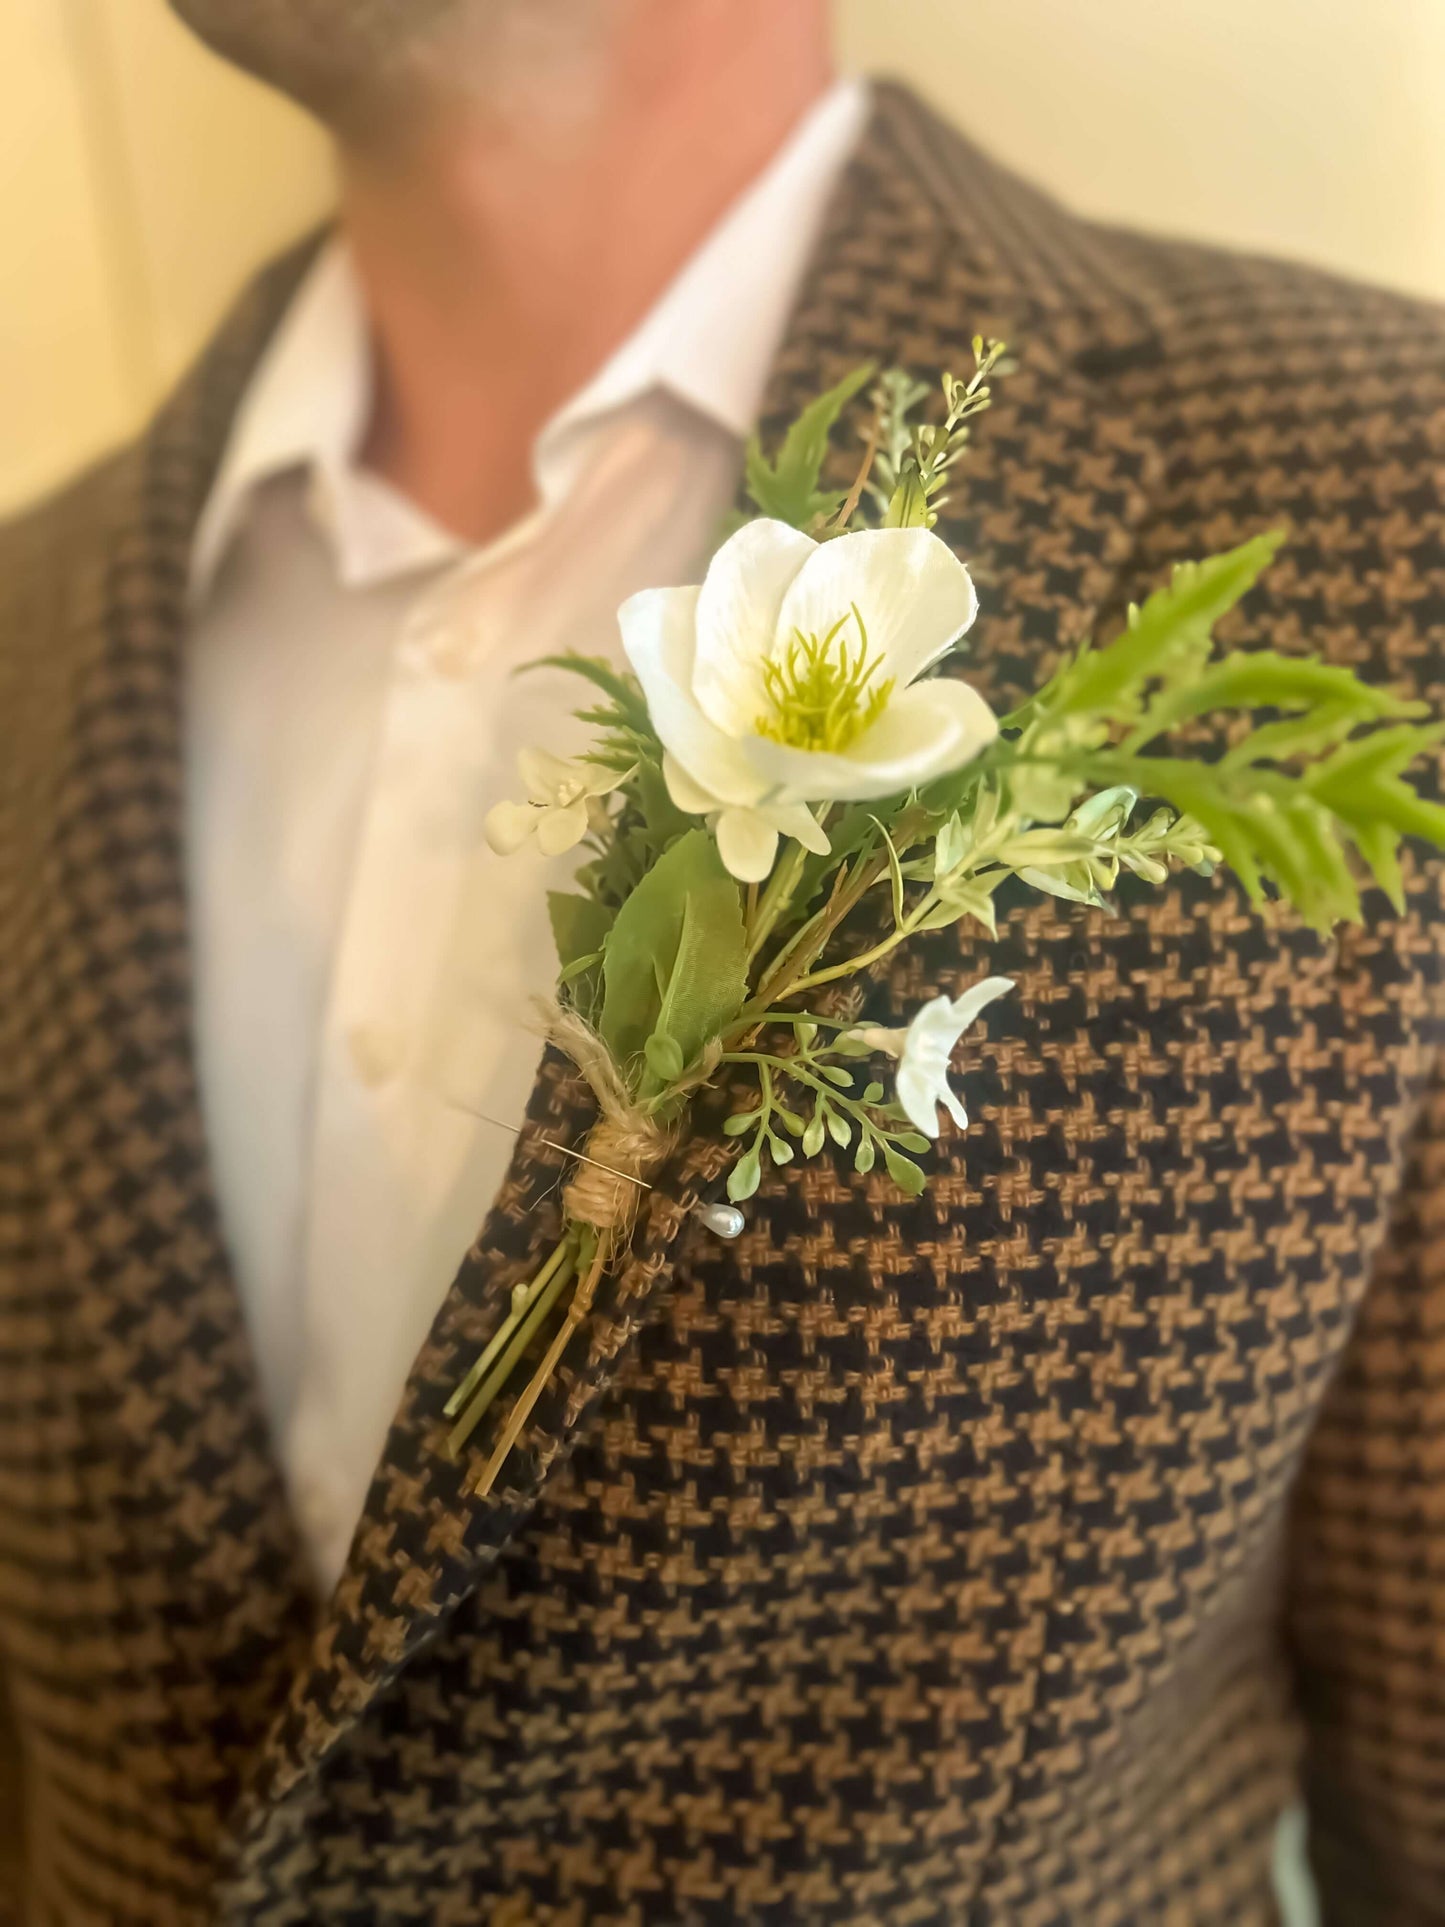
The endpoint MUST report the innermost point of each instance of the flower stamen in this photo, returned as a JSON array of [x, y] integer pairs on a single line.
[[818, 690]]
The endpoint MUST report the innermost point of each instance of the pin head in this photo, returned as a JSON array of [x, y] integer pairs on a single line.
[[722, 1220]]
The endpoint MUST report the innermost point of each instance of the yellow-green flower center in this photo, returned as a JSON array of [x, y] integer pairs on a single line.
[[821, 690]]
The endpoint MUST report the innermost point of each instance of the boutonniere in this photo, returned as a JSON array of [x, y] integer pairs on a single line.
[[791, 782]]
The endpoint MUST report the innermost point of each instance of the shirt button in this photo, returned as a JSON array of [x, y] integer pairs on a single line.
[[376, 1053], [449, 655]]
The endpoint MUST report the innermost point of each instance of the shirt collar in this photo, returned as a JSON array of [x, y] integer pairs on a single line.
[[711, 336], [709, 341]]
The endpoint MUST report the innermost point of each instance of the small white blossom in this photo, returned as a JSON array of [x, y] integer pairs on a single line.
[[559, 807], [924, 1048], [790, 677]]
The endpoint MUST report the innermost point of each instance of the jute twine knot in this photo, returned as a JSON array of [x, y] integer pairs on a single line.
[[625, 1138]]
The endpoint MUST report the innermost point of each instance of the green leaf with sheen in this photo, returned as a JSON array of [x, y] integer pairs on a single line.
[[788, 488], [579, 926], [675, 959]]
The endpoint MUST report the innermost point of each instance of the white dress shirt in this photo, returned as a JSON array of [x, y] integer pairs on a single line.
[[363, 961]]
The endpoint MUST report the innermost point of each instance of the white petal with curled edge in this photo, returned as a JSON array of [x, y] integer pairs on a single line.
[[919, 1094], [602, 781], [977, 998], [508, 825], [925, 732], [915, 597], [658, 632], [543, 774], [798, 821], [562, 829], [688, 795], [747, 845], [927, 1047], [737, 615]]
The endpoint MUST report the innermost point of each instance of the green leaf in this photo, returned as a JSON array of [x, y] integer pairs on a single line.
[[675, 959], [813, 1136], [1379, 845], [1339, 780], [977, 901], [579, 967], [1293, 736], [1104, 814], [895, 873], [664, 1057], [579, 927], [1072, 882], [1172, 630], [665, 821], [745, 1175], [950, 846], [788, 488], [739, 1122], [1261, 679], [873, 1094], [625, 692], [904, 1172], [863, 1157]]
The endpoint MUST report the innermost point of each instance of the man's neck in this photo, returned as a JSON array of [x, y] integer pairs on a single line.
[[505, 251]]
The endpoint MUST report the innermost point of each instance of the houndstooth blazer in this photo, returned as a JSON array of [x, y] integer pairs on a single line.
[[1010, 1555]]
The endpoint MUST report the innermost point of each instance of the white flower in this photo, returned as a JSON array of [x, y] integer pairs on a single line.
[[790, 677], [924, 1048], [559, 808]]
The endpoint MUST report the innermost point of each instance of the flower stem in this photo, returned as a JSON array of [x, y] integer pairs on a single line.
[[850, 966], [531, 1323], [788, 1067], [804, 947], [796, 1017], [594, 1256], [522, 1301], [776, 897]]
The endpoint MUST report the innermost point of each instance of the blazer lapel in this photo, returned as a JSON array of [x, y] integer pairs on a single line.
[[927, 244], [181, 1514]]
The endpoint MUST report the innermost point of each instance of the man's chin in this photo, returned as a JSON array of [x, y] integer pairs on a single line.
[[326, 54]]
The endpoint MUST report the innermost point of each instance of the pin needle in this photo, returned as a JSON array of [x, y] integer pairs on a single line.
[[552, 1145]]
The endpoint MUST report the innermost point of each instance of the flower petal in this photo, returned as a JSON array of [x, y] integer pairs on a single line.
[[601, 781], [562, 829], [918, 1093], [508, 825], [923, 733], [915, 597], [747, 845], [737, 615], [976, 998], [797, 821], [658, 633], [688, 795], [543, 774]]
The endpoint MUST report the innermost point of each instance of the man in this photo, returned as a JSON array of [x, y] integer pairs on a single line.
[[1011, 1555]]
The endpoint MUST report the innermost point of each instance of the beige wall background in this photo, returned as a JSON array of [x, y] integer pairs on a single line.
[[140, 180]]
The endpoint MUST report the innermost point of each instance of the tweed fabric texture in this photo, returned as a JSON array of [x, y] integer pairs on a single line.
[[1009, 1555]]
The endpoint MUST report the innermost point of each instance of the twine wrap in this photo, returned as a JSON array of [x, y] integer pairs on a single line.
[[624, 1137]]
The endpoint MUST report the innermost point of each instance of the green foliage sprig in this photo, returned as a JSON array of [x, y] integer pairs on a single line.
[[1155, 751]]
